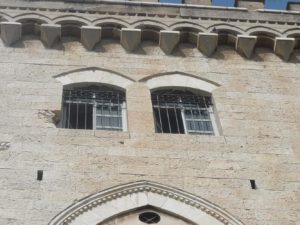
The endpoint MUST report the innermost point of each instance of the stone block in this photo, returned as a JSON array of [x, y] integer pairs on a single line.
[[207, 43], [11, 32], [168, 40], [50, 33], [90, 36], [294, 6], [284, 47], [130, 38], [245, 45], [198, 2], [251, 4]]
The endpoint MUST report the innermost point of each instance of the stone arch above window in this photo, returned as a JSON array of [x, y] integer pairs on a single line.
[[100, 207], [94, 99], [179, 80], [95, 75]]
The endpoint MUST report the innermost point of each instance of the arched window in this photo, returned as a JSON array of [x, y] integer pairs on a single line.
[[183, 112], [94, 107]]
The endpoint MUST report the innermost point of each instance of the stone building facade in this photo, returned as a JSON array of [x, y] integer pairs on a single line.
[[144, 159]]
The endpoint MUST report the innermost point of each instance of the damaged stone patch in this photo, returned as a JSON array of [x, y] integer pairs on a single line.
[[50, 116], [4, 145]]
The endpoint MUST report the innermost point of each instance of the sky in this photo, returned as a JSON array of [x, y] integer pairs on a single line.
[[269, 4]]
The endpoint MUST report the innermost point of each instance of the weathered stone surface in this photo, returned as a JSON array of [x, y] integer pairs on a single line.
[[168, 40], [90, 36], [256, 101], [284, 47], [245, 45], [11, 32], [50, 33], [251, 4], [130, 38], [207, 43], [4, 145], [294, 6]]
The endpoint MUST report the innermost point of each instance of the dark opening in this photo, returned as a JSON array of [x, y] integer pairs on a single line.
[[265, 42], [253, 185], [149, 217], [40, 175], [79, 116], [170, 122]]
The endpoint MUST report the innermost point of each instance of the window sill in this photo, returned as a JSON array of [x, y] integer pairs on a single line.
[[197, 138], [96, 133]]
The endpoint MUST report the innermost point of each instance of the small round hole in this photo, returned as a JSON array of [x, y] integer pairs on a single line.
[[149, 217]]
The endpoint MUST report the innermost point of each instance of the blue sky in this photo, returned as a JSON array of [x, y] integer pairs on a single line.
[[270, 4]]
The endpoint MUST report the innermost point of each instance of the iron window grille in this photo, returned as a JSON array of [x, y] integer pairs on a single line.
[[96, 108], [183, 113]]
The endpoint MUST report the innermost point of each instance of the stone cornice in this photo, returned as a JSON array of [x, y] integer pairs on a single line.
[[205, 26], [144, 9]]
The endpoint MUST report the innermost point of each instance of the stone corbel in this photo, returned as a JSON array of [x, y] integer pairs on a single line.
[[11, 32], [50, 33], [207, 43], [284, 47], [245, 45], [130, 38], [90, 36], [168, 40]]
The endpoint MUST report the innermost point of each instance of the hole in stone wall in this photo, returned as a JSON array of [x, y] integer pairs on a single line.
[[189, 35], [70, 30], [31, 27], [253, 184], [226, 39], [111, 30], [40, 175], [265, 41]]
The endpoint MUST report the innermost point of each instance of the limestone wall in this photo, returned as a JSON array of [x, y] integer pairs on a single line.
[[257, 103]]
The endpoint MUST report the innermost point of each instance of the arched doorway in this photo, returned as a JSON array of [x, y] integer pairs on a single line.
[[113, 206]]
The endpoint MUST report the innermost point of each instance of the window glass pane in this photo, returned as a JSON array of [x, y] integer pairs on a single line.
[[115, 110], [189, 125], [114, 122], [196, 114], [209, 126], [204, 114], [105, 110], [188, 114]]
